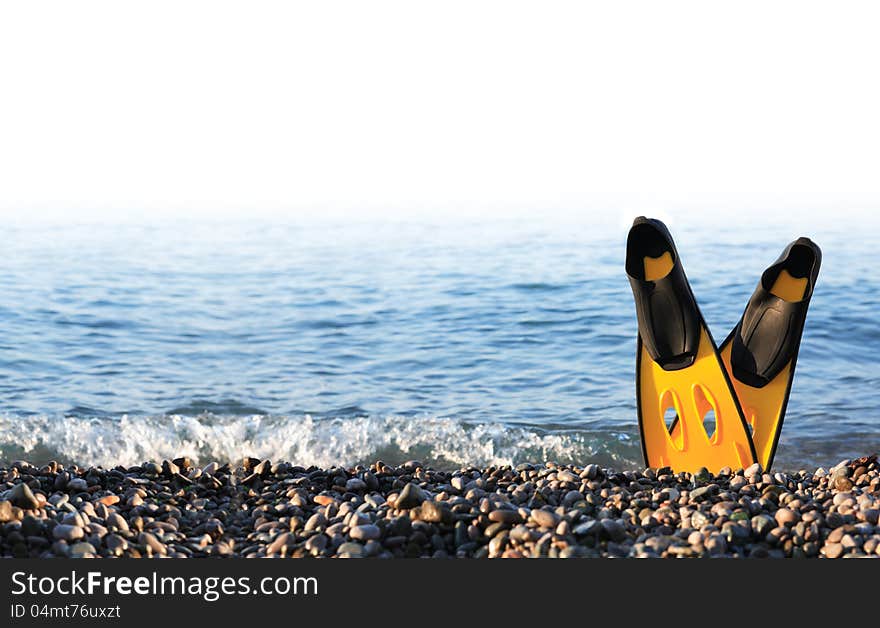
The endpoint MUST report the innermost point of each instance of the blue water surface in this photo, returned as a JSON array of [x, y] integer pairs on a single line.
[[465, 342]]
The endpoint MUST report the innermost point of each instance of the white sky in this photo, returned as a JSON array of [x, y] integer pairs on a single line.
[[447, 108]]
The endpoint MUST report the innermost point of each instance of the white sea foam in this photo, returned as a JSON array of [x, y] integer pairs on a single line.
[[304, 440]]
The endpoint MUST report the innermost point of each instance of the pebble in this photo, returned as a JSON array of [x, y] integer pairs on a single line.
[[350, 550], [505, 516], [6, 511], [324, 500], [702, 492], [534, 510], [82, 550], [702, 475], [355, 485], [77, 485], [762, 524], [567, 476], [149, 540], [115, 544], [614, 530], [754, 470], [282, 541], [716, 544], [365, 532], [410, 497], [316, 543], [67, 532], [117, 522], [31, 526], [316, 522], [22, 496], [588, 528], [738, 482], [786, 516], [431, 511], [544, 518]]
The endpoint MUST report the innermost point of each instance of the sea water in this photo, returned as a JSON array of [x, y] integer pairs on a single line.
[[466, 342]]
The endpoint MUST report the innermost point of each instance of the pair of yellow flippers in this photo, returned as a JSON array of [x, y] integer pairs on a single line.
[[700, 406]]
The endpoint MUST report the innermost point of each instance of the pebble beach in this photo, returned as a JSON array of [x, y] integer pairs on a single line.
[[257, 508]]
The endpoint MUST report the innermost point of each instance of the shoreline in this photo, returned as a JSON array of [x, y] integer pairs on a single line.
[[260, 509]]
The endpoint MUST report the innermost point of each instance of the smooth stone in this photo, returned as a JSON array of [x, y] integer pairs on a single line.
[[116, 544], [762, 524], [521, 534], [31, 526], [117, 521], [365, 532], [324, 500], [703, 491], [6, 511], [786, 516], [262, 469], [350, 550], [74, 519], [22, 496], [567, 476], [315, 522], [68, 532], [754, 470], [282, 541], [77, 484], [843, 484], [716, 544], [591, 471], [588, 528], [316, 543], [431, 511], [355, 485], [571, 497], [149, 540], [833, 550], [614, 530], [82, 550], [702, 475], [544, 518], [410, 497], [737, 482], [59, 499], [698, 519], [505, 516]]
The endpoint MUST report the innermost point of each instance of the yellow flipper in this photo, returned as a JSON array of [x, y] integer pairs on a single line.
[[764, 408], [767, 339], [679, 371], [691, 393]]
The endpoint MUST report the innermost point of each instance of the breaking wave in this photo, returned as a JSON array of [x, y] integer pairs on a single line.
[[304, 440]]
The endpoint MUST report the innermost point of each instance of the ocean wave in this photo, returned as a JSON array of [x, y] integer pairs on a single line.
[[305, 440]]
